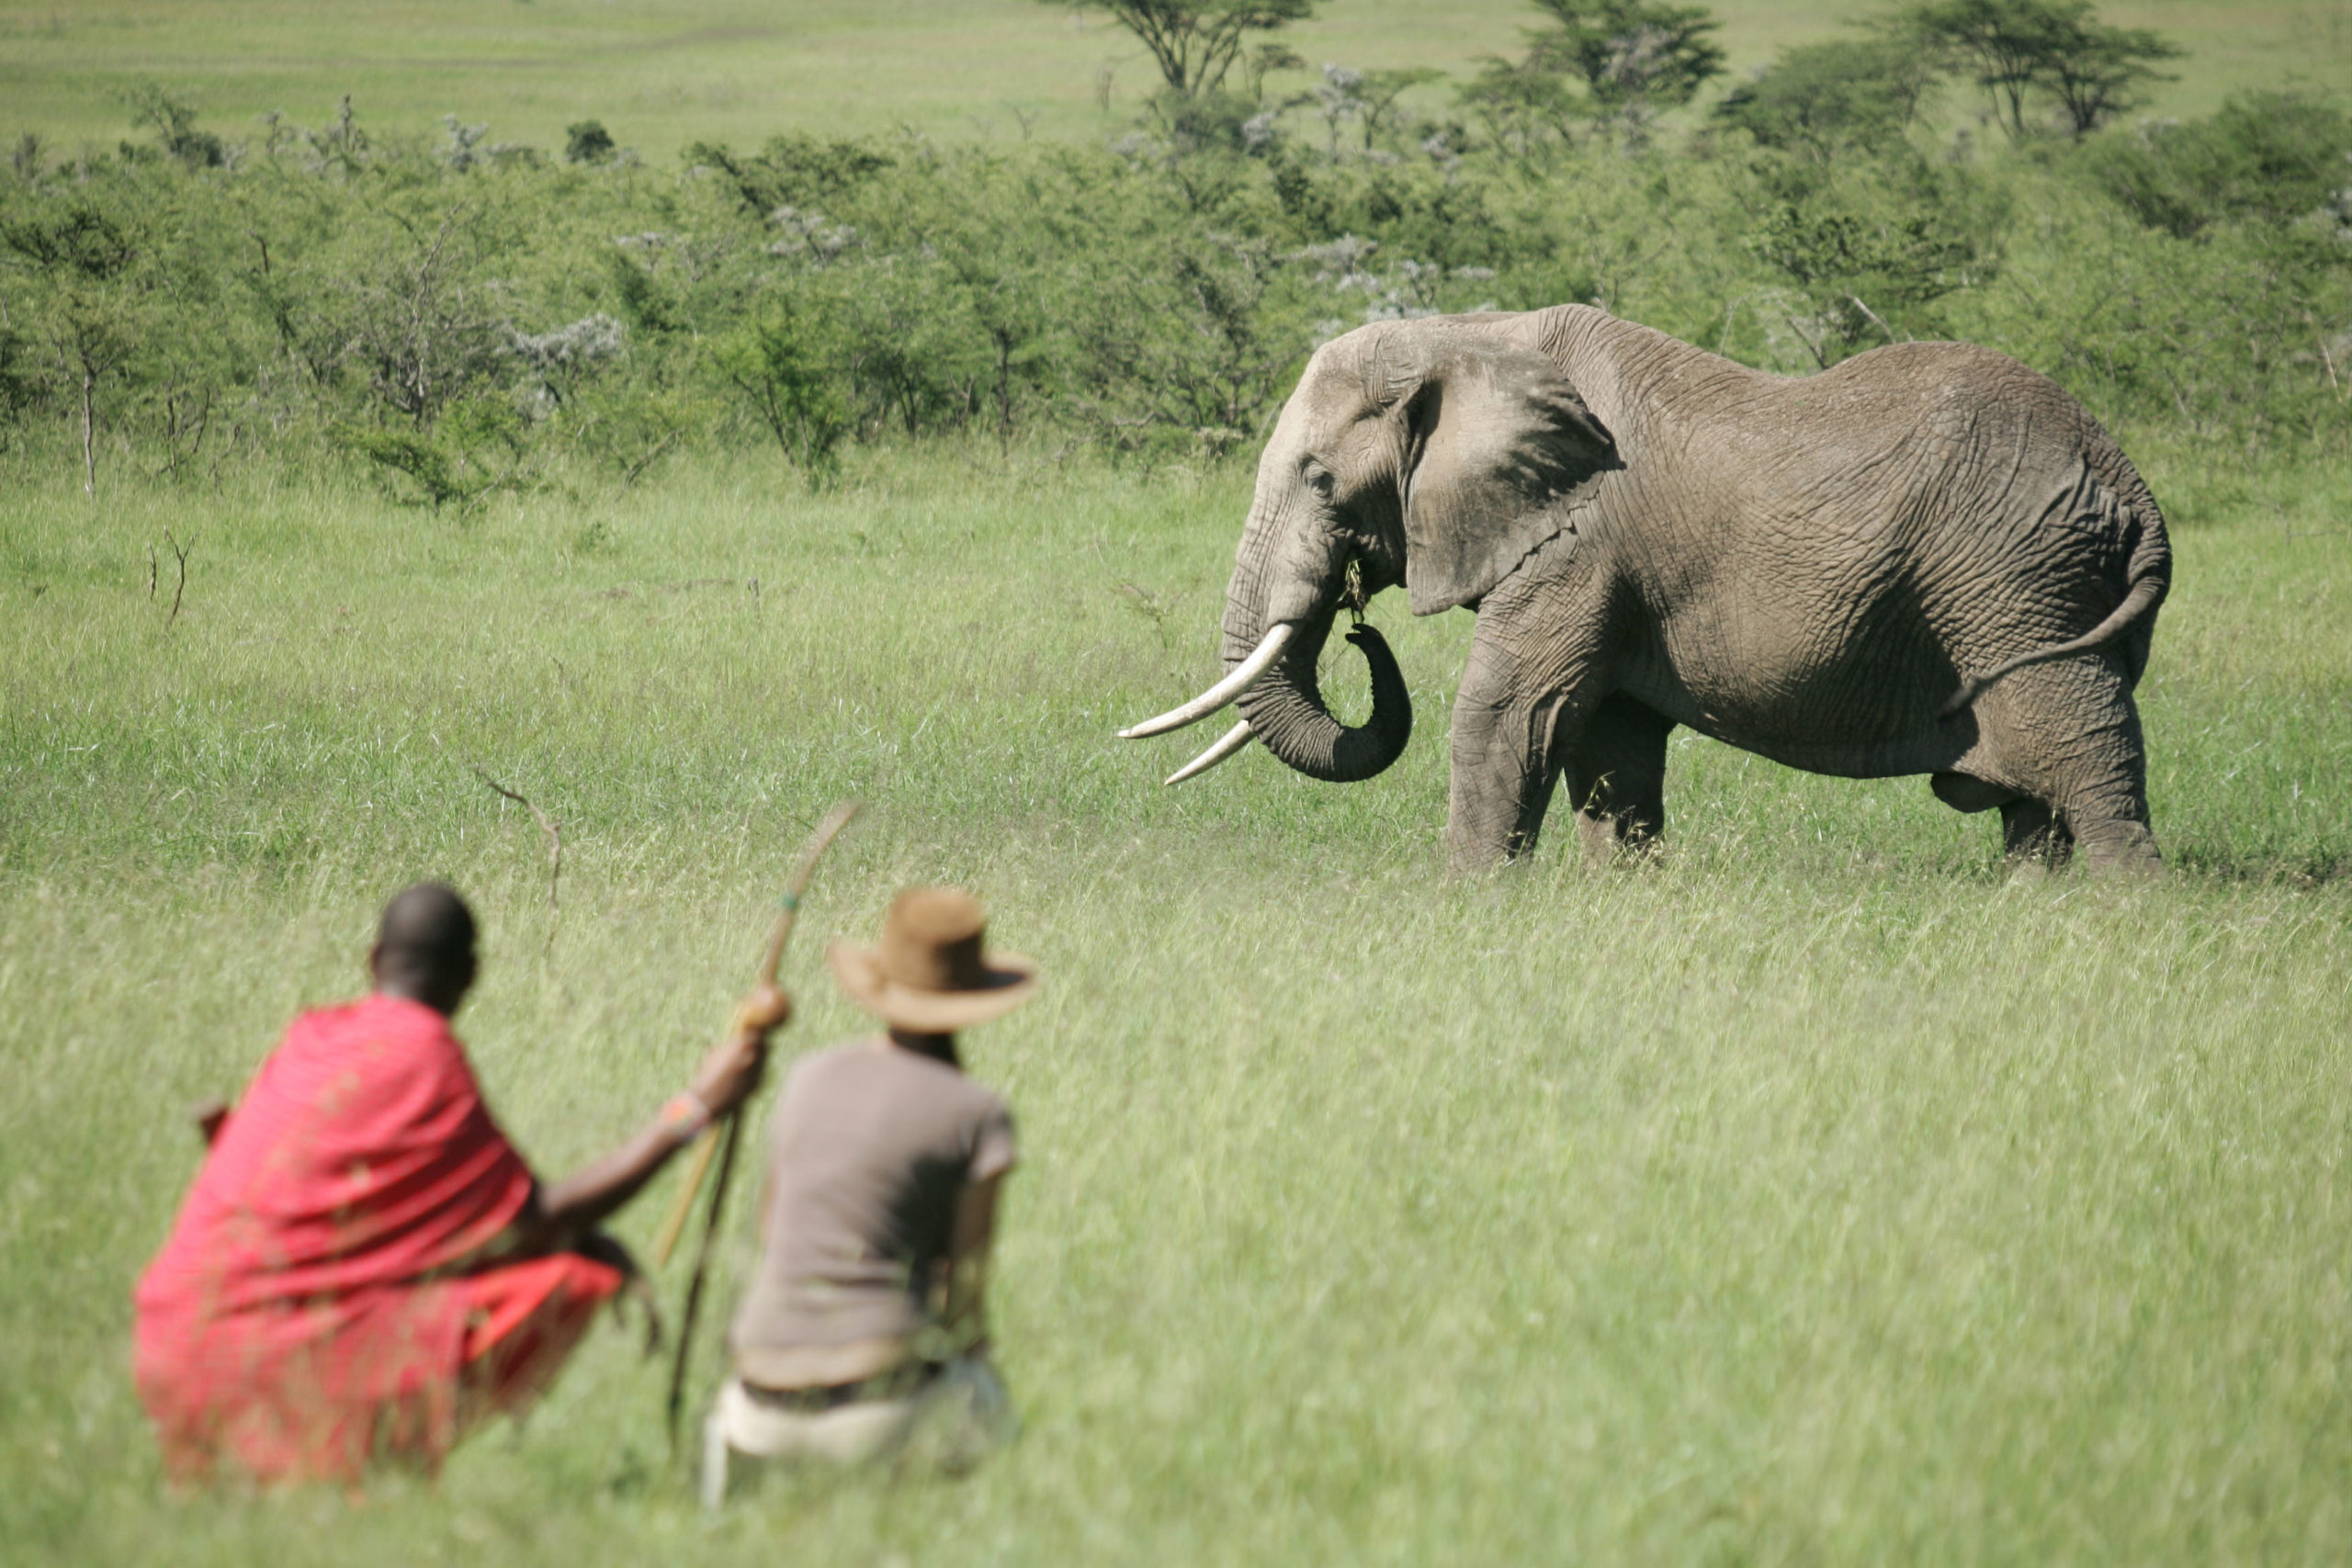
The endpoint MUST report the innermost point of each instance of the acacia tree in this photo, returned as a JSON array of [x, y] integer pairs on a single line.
[[1824, 98], [2018, 47], [1369, 97], [1527, 112], [2099, 74], [1195, 42], [1635, 59], [1632, 52]]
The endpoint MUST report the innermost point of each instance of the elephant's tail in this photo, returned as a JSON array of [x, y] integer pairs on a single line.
[[2151, 579]]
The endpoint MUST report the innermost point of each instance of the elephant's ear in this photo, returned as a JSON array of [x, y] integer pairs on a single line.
[[1498, 447]]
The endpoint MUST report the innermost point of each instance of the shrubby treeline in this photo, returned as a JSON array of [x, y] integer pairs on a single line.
[[458, 314]]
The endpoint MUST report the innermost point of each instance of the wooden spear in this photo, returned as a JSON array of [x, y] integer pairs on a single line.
[[723, 1138]]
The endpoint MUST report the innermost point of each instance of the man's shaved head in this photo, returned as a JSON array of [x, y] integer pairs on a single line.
[[425, 947]]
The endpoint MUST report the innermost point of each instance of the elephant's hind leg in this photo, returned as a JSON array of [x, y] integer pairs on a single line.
[[2072, 729], [1618, 777]]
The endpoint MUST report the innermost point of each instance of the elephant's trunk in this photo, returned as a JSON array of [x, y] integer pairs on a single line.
[[1274, 583], [1287, 710]]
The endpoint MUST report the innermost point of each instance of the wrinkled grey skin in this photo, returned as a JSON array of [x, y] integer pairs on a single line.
[[1823, 570]]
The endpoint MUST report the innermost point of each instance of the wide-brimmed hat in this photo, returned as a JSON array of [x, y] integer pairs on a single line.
[[930, 971]]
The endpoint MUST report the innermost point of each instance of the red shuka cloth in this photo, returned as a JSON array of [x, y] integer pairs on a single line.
[[306, 1313]]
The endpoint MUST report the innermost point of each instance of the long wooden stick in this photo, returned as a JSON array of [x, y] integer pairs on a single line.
[[771, 962], [684, 1356]]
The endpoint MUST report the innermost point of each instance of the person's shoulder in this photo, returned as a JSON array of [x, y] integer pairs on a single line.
[[328, 1018], [375, 1013], [376, 1033], [853, 1050], [949, 1084], [849, 1058]]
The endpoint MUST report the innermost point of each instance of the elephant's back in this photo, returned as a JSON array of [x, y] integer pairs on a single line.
[[1919, 509], [2022, 523]]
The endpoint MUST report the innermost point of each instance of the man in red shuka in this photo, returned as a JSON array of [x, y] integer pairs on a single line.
[[365, 1269]]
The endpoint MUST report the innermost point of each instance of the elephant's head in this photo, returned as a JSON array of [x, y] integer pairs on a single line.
[[1438, 454]]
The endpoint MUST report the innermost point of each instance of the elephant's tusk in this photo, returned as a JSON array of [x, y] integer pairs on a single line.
[[1232, 740], [1226, 691]]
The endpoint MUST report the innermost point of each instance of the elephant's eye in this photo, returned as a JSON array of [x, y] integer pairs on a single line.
[[1320, 482]]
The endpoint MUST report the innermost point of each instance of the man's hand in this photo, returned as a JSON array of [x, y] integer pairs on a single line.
[[764, 1012], [729, 1075]]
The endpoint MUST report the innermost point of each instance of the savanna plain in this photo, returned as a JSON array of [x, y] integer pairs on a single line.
[[1820, 1191], [1004, 70]]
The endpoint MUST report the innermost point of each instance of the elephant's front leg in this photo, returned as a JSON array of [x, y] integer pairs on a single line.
[[1534, 677]]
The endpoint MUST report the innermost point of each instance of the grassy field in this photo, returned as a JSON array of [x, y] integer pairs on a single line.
[[740, 70], [1819, 1194], [1822, 1194]]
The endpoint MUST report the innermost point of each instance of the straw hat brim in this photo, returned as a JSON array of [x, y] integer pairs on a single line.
[[1007, 982]]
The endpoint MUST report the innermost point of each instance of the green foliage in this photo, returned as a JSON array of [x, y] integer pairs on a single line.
[[793, 169], [2099, 72], [475, 450], [105, 275], [20, 381], [587, 142], [1829, 99], [1527, 109], [80, 244], [1210, 121], [1872, 257], [2018, 49], [1629, 53], [1189, 353], [787, 367], [1376, 96], [1614, 62], [1156, 295], [173, 123], [626, 428], [420, 321], [2273, 158], [1195, 43], [2216, 292], [640, 298]]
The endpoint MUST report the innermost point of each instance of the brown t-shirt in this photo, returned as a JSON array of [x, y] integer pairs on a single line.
[[869, 1151]]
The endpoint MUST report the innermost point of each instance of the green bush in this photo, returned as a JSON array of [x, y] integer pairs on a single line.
[[787, 368], [349, 291], [476, 449], [1824, 99], [2269, 157], [587, 142]]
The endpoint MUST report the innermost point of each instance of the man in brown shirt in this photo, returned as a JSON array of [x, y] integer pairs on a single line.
[[864, 1320]]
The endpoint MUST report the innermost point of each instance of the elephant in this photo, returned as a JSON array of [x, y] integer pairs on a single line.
[[1927, 558]]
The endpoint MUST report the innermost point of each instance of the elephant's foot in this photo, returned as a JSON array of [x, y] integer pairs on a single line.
[[2037, 837], [1481, 855], [2119, 847]]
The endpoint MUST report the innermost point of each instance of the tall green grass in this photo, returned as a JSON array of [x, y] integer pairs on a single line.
[[1821, 1193]]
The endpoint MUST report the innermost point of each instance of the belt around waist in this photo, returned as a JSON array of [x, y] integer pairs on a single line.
[[897, 1383]]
